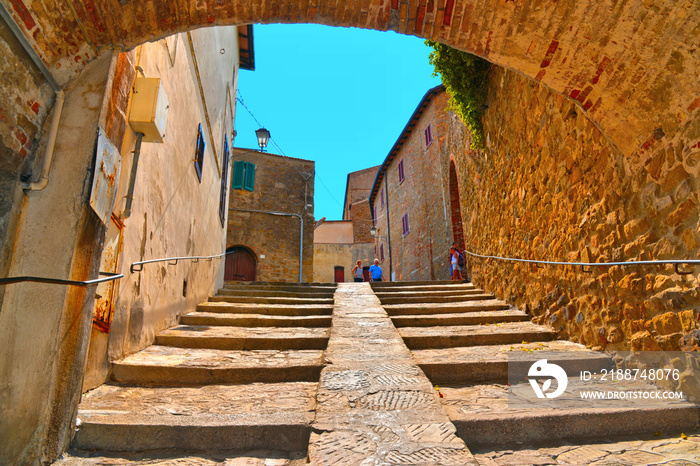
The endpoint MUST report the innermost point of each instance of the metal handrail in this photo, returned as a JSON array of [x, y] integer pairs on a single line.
[[675, 262], [60, 281], [138, 266]]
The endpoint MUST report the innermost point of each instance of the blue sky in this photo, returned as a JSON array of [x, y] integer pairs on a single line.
[[337, 96]]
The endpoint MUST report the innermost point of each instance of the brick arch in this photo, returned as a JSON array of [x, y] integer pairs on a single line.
[[630, 66]]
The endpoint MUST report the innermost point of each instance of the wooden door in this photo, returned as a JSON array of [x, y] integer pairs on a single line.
[[240, 265], [365, 273], [339, 274]]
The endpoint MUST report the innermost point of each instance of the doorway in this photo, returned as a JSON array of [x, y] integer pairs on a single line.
[[339, 274], [240, 265]]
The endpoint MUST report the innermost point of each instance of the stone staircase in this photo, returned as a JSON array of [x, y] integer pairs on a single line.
[[465, 341], [408, 373], [239, 373]]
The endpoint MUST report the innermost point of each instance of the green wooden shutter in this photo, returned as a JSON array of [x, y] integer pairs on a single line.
[[249, 176], [238, 175]]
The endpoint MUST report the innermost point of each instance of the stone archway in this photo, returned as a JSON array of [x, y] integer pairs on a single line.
[[240, 264], [630, 68]]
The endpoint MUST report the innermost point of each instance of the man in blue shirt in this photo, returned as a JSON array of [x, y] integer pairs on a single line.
[[375, 272]]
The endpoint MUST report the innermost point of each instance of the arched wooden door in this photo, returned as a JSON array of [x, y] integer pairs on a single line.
[[240, 265]]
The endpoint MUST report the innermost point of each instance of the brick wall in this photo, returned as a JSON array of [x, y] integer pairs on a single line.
[[552, 187], [279, 187]]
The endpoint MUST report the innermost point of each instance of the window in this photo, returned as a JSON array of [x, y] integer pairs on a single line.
[[428, 136], [199, 153], [224, 184], [375, 213], [401, 172], [381, 199], [243, 176], [404, 222], [381, 252]]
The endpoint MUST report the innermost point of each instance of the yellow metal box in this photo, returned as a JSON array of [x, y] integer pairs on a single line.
[[149, 109]]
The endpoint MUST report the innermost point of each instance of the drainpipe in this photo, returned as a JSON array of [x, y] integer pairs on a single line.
[[132, 180], [285, 214], [388, 226], [60, 99]]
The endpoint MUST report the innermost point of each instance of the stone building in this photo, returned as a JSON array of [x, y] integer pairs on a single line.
[[271, 218], [88, 219], [411, 202], [339, 244]]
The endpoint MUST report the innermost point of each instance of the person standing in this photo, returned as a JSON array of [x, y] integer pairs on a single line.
[[375, 272], [455, 269], [357, 272]]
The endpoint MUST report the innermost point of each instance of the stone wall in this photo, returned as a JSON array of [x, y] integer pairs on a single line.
[[552, 187], [329, 255], [280, 187]]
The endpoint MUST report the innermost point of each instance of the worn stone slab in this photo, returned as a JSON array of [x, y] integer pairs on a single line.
[[446, 308], [182, 457], [471, 335], [471, 318], [267, 309], [420, 286], [677, 449], [268, 286], [374, 405], [483, 415], [227, 417], [172, 366], [268, 300], [254, 320], [389, 300], [409, 293], [491, 362], [243, 338], [301, 293]]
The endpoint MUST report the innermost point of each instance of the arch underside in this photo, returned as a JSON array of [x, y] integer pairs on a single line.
[[629, 65]]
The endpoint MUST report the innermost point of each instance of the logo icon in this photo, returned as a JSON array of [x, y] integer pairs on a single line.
[[542, 369]]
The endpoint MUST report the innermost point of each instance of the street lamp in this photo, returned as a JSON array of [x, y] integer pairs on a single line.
[[263, 137], [373, 231]]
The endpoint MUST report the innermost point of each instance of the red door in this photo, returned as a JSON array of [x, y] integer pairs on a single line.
[[339, 275], [365, 273], [240, 265]]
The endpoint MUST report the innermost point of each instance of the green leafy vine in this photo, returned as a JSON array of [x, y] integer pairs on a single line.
[[465, 76]]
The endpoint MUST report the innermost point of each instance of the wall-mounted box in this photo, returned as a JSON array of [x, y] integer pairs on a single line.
[[149, 109]]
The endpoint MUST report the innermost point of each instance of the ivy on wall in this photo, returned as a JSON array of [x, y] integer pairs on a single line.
[[465, 77]]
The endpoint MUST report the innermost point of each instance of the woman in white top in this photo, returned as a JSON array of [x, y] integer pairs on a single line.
[[357, 272]]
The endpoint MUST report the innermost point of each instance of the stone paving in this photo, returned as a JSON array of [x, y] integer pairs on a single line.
[[372, 405]]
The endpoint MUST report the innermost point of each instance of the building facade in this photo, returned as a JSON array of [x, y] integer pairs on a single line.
[[410, 199], [114, 199], [271, 218]]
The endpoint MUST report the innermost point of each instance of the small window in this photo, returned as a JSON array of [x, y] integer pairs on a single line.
[[381, 252], [381, 199], [199, 153], [243, 176], [375, 213], [404, 222], [428, 136], [224, 183], [401, 172]]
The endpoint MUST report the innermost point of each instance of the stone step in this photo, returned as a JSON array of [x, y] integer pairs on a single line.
[[268, 300], [473, 335], [416, 283], [292, 287], [254, 320], [470, 318], [267, 309], [243, 338], [390, 300], [484, 415], [173, 367], [428, 286], [417, 294], [446, 308], [216, 417], [491, 363], [274, 293]]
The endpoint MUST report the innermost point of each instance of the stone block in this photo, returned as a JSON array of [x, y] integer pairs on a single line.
[[673, 178], [681, 213], [636, 227], [688, 320], [644, 341], [690, 341], [666, 324]]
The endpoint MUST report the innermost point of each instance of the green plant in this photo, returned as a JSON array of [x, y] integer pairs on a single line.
[[465, 77]]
